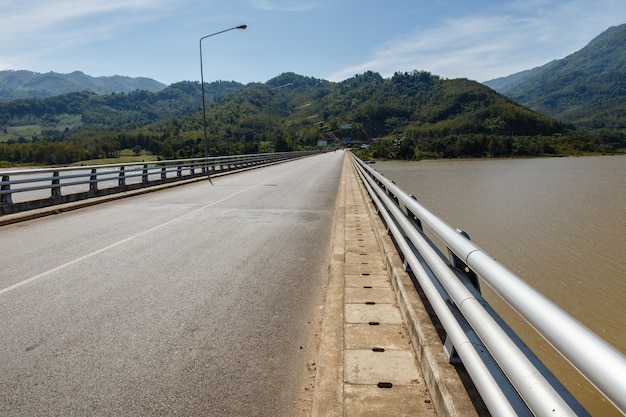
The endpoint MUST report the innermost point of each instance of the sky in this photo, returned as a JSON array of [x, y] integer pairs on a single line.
[[326, 39]]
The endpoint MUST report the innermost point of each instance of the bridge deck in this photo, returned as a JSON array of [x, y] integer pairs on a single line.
[[379, 352]]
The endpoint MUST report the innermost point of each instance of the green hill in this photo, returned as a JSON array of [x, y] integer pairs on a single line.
[[407, 116], [587, 88], [25, 84], [423, 114], [49, 117]]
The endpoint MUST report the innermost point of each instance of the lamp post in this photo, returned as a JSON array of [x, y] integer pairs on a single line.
[[306, 143], [206, 143], [295, 138], [269, 112]]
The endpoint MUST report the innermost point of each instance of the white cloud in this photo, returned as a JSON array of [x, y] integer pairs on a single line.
[[35, 27], [43, 19], [511, 38], [459, 46], [283, 5]]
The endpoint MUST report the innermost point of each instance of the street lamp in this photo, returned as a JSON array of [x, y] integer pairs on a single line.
[[313, 116], [269, 111], [206, 143], [295, 138]]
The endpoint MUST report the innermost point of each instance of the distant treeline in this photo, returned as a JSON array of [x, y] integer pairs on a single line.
[[497, 146], [43, 152]]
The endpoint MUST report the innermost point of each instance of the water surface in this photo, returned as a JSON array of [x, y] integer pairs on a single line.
[[558, 223]]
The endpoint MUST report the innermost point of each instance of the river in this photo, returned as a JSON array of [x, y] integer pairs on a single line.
[[558, 223]]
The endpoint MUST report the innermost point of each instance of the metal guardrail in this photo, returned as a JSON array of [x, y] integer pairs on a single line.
[[511, 380], [29, 189]]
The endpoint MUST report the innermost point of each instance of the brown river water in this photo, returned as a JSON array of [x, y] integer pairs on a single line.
[[558, 223]]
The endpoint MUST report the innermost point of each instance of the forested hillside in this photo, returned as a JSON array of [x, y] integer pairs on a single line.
[[587, 88], [408, 116]]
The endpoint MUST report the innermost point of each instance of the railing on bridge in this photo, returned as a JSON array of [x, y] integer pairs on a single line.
[[511, 380], [36, 188]]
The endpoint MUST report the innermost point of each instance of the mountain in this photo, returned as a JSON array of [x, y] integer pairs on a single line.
[[411, 115], [505, 84], [25, 84], [586, 88]]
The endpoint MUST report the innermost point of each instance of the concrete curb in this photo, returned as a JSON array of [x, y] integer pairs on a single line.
[[449, 394], [346, 368]]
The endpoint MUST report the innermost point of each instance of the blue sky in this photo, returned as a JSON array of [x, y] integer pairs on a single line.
[[329, 39]]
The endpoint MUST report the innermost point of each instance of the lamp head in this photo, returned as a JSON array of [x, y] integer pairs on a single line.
[[242, 26]]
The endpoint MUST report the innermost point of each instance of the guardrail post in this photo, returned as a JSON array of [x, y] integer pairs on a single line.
[[179, 171], [462, 266], [6, 198], [144, 177], [413, 217], [450, 351], [122, 178], [93, 180], [163, 173], [56, 185]]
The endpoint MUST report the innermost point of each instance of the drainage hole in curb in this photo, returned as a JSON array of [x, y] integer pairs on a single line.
[[376, 349], [373, 323], [385, 385], [370, 303], [365, 274], [367, 286]]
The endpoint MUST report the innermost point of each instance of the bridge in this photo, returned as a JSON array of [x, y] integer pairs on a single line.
[[307, 287]]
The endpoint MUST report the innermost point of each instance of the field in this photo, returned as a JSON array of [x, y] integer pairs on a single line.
[[126, 156], [27, 129]]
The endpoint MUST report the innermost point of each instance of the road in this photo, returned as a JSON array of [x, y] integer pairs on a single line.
[[196, 300]]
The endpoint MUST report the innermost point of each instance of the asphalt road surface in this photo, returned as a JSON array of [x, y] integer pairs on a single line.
[[193, 301]]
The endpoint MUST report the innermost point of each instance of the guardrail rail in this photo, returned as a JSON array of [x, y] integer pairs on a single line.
[[511, 380], [28, 189]]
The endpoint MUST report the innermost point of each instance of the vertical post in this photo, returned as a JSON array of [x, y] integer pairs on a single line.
[[93, 180], [269, 112], [6, 198], [206, 143], [56, 185], [462, 266], [122, 178]]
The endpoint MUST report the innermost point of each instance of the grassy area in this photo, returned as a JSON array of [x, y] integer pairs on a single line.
[[16, 132], [27, 130], [126, 156]]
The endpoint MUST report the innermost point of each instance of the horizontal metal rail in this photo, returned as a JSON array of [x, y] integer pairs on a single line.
[[509, 377], [28, 189]]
